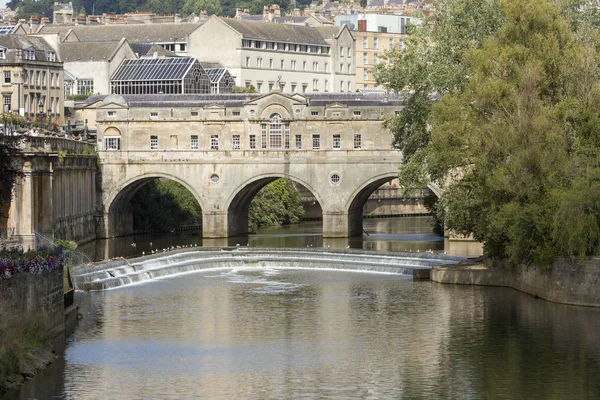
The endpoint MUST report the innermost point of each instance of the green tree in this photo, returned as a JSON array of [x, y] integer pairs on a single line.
[[244, 89], [278, 203], [518, 148], [164, 205], [195, 6], [432, 62], [9, 171]]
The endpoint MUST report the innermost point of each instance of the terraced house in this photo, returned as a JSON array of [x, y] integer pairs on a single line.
[[284, 57], [32, 76]]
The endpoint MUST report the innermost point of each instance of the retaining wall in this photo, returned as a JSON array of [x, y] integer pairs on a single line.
[[564, 282], [26, 298]]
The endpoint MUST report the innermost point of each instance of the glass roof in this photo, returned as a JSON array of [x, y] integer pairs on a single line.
[[215, 74], [6, 29], [171, 68]]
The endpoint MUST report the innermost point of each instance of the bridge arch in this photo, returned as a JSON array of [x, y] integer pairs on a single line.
[[118, 218], [357, 200], [239, 201]]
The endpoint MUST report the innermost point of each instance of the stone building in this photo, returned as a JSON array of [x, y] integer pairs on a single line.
[[284, 57], [32, 76], [375, 35], [174, 37], [172, 75], [275, 121], [92, 63]]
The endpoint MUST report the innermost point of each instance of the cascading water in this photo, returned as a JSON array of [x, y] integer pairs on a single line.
[[122, 272]]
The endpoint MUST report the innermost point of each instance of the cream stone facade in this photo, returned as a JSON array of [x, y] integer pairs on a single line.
[[225, 148], [284, 57], [32, 77], [93, 63], [371, 48]]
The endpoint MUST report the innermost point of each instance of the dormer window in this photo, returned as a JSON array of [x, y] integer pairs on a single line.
[[2, 54], [29, 54], [51, 56]]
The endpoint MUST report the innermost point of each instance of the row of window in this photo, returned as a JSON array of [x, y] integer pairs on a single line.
[[173, 46], [154, 114], [29, 54], [316, 86], [80, 86], [280, 46], [376, 43], [34, 78], [277, 138]]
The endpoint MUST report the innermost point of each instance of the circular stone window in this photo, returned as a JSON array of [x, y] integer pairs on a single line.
[[335, 179], [214, 178]]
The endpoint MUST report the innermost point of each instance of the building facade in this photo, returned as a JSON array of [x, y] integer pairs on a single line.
[[32, 77], [375, 34], [241, 122], [284, 57], [371, 49], [92, 64]]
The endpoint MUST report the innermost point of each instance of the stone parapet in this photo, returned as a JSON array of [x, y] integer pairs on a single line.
[[564, 282], [27, 298]]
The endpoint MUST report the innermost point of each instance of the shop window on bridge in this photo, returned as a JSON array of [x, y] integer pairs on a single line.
[[337, 141], [112, 143], [214, 142], [316, 142], [357, 141], [298, 142], [252, 141], [153, 142], [235, 142], [194, 142], [276, 133]]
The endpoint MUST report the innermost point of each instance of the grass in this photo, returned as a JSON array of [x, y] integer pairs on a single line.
[[14, 346]]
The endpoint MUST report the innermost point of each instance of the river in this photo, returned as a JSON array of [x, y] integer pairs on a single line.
[[292, 334]]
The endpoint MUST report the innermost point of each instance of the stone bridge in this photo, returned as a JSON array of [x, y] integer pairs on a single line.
[[225, 148], [55, 196]]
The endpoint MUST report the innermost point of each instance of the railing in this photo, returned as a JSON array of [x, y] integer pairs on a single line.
[[378, 194], [69, 298], [51, 144]]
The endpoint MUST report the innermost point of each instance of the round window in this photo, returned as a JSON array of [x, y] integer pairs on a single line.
[[335, 178], [214, 178]]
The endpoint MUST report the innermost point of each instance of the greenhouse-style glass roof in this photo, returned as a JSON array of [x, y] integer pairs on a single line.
[[172, 68]]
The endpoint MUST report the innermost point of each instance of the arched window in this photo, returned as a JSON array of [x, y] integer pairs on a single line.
[[276, 133]]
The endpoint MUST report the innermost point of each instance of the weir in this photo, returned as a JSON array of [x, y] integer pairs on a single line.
[[123, 272]]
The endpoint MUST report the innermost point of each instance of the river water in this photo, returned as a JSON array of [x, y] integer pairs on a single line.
[[412, 234], [310, 334]]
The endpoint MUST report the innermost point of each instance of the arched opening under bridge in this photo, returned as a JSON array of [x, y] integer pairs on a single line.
[[270, 201], [153, 204]]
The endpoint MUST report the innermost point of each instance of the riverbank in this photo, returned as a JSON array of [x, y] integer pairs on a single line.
[[565, 281], [23, 354]]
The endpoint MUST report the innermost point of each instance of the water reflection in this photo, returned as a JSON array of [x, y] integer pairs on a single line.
[[383, 234], [269, 333]]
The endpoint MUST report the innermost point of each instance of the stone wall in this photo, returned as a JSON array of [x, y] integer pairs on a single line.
[[27, 298], [565, 282]]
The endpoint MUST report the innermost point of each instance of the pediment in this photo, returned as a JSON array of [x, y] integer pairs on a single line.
[[276, 97], [101, 104], [214, 107], [336, 105]]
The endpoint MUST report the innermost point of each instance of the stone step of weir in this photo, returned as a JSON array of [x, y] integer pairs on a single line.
[[122, 272]]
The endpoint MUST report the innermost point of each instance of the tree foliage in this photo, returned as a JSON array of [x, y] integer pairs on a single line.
[[431, 63], [195, 6], [163, 205], [26, 8], [516, 144], [278, 203], [9, 167]]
